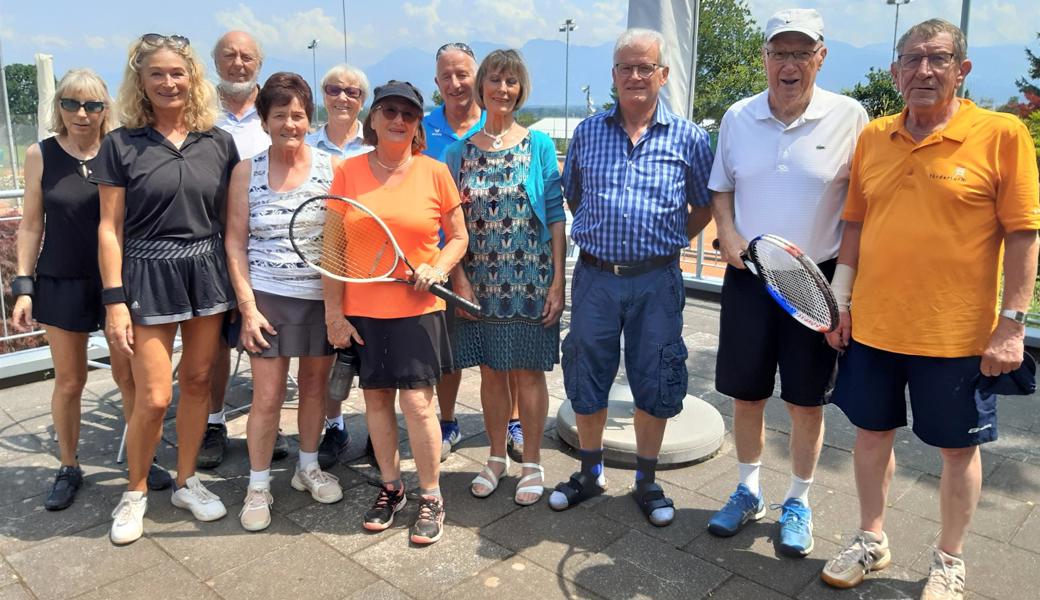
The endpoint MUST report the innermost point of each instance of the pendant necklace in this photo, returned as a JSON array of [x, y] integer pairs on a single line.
[[496, 140], [388, 167]]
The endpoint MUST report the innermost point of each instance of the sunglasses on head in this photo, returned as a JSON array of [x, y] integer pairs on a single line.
[[336, 90], [460, 46], [173, 41], [391, 112], [91, 106]]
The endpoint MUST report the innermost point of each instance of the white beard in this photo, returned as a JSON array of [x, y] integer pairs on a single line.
[[233, 89]]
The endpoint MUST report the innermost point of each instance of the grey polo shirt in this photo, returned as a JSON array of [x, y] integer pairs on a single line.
[[171, 193]]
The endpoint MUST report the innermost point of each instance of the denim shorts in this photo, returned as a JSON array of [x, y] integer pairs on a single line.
[[648, 309]]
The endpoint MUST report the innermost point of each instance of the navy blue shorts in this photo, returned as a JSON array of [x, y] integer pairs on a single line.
[[948, 412], [648, 309]]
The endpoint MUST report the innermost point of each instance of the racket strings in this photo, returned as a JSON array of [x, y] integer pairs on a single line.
[[792, 280], [345, 242]]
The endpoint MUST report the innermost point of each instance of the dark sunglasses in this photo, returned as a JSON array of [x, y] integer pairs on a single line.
[[391, 112], [350, 91], [91, 106], [173, 41], [460, 46]]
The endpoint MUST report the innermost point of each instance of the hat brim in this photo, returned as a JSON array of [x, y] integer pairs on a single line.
[[806, 32], [400, 95]]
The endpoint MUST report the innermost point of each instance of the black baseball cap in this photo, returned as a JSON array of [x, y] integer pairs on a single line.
[[398, 89]]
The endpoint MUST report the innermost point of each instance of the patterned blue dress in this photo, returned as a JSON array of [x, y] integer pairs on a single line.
[[509, 267]]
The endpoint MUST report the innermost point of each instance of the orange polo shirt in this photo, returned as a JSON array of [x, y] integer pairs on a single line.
[[934, 216], [412, 209]]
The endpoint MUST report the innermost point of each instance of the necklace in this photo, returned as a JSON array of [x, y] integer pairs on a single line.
[[393, 168], [496, 140]]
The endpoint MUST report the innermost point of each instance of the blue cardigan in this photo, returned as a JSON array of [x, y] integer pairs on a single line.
[[543, 185]]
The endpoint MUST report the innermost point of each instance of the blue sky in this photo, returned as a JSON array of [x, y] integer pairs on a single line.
[[96, 35]]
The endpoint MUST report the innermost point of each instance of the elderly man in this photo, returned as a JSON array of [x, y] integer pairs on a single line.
[[457, 118], [781, 167], [636, 181], [938, 195], [238, 58]]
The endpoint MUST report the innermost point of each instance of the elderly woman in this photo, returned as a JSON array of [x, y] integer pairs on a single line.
[[511, 194], [279, 298], [345, 89], [399, 330], [59, 286], [163, 180]]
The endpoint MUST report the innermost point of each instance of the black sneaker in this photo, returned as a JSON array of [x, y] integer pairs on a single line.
[[381, 515], [281, 447], [333, 447], [66, 484], [158, 477], [214, 445], [429, 523]]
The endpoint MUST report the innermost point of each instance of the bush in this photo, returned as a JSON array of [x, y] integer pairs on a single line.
[[8, 269]]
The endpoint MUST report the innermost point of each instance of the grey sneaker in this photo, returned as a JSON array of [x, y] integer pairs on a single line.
[[946, 579], [256, 510], [865, 553]]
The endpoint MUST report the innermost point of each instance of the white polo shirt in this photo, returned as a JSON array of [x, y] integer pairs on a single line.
[[250, 137], [789, 180]]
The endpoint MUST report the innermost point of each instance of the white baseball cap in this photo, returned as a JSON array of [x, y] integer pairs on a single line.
[[803, 20]]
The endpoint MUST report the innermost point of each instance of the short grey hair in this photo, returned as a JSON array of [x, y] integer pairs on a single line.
[[635, 35], [346, 71], [932, 28], [256, 42]]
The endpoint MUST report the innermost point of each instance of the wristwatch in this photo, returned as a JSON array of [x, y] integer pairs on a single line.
[[1015, 315]]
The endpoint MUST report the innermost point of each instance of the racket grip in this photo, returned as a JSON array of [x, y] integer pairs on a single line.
[[456, 300]]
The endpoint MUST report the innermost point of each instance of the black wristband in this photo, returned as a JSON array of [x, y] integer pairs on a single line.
[[115, 295], [22, 286]]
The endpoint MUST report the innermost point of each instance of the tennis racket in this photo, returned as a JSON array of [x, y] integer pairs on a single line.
[[794, 281], [344, 240]]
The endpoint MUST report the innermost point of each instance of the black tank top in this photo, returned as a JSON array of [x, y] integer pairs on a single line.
[[71, 212]]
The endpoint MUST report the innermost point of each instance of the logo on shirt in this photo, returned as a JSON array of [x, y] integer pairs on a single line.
[[959, 175]]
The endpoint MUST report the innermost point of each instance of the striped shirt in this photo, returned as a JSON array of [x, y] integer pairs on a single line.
[[633, 198]]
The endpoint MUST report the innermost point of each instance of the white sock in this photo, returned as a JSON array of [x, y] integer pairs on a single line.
[[259, 477], [307, 459], [799, 489], [749, 477], [337, 422], [216, 418]]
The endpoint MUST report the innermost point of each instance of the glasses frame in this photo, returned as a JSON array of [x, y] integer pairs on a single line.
[[918, 59], [173, 41], [799, 57], [620, 68], [460, 46], [90, 106], [352, 92], [383, 108]]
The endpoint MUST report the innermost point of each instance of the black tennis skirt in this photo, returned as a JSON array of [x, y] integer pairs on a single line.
[[404, 354], [168, 281], [69, 303]]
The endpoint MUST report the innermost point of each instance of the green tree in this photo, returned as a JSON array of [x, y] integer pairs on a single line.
[[878, 95], [1024, 84], [729, 57], [613, 98], [438, 100], [21, 89], [526, 118]]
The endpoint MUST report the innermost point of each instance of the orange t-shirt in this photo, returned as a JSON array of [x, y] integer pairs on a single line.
[[934, 216], [412, 209]]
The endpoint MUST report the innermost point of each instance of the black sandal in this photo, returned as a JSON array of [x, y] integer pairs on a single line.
[[652, 498], [579, 488]]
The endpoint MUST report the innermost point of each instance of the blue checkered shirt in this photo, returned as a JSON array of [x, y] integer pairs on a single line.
[[633, 198]]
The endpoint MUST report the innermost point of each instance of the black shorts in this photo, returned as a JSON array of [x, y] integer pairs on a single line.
[[168, 281], [949, 412], [756, 336], [403, 354], [69, 303]]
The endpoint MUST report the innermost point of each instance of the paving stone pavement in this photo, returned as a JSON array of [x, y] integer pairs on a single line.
[[603, 549]]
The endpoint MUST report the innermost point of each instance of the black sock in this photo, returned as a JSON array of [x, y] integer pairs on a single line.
[[591, 462], [646, 471]]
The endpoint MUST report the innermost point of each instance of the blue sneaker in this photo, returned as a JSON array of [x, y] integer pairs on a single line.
[[515, 439], [795, 528], [742, 508], [450, 435]]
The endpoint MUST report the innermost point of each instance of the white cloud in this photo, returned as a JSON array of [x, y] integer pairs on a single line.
[[95, 42], [49, 41]]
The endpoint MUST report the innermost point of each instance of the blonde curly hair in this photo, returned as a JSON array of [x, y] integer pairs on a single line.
[[135, 110]]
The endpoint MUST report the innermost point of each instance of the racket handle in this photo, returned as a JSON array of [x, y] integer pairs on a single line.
[[456, 300]]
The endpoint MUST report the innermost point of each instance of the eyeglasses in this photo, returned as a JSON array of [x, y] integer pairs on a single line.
[[336, 90], [391, 112], [460, 46], [800, 57], [173, 41], [644, 70], [939, 60], [91, 106]]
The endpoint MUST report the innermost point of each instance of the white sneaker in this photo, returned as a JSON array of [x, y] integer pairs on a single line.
[[324, 487], [256, 510], [128, 518], [204, 504], [946, 578]]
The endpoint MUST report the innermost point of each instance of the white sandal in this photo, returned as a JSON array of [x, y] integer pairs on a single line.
[[530, 489], [491, 480]]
